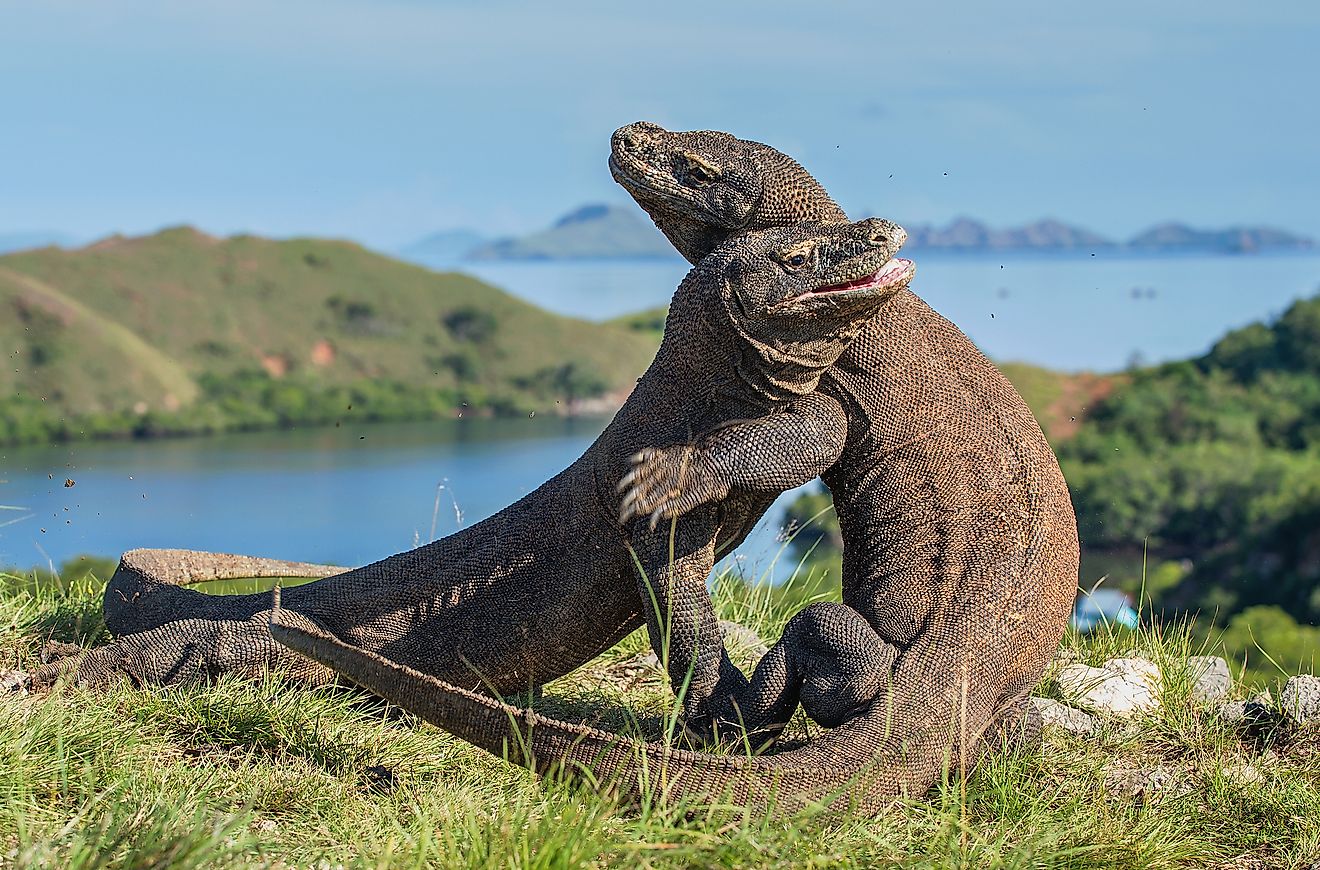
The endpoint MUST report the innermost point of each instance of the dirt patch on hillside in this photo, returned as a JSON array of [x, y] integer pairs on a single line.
[[1078, 394]]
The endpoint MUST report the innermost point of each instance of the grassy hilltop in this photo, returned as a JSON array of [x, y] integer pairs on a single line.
[[180, 331]]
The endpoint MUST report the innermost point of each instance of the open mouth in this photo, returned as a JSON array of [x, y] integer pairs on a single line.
[[896, 272]]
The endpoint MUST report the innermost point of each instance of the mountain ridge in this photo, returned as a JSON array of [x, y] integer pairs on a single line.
[[610, 231]]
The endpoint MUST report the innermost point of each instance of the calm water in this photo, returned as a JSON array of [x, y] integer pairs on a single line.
[[345, 496], [1068, 312], [351, 495]]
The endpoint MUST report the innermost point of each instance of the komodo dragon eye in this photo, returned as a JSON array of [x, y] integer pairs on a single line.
[[700, 172], [795, 259]]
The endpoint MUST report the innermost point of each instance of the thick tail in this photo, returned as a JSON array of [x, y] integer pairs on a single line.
[[145, 591], [817, 776], [931, 720]]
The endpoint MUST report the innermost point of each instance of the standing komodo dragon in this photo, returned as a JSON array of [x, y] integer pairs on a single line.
[[960, 557], [545, 585], [950, 501]]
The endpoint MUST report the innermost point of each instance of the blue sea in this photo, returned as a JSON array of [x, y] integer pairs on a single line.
[[355, 494]]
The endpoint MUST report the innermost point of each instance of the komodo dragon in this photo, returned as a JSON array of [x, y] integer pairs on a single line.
[[960, 559], [545, 585], [946, 481]]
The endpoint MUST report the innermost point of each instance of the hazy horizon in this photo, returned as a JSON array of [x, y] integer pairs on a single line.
[[386, 121]]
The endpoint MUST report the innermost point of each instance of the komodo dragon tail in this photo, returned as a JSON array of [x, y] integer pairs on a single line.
[[855, 768], [145, 592]]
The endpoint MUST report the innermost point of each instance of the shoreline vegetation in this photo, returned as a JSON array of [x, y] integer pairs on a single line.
[[182, 333]]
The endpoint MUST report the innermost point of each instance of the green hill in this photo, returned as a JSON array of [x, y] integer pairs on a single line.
[[179, 331]]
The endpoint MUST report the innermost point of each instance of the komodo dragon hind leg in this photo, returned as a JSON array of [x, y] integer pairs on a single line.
[[1018, 729], [185, 650], [148, 588]]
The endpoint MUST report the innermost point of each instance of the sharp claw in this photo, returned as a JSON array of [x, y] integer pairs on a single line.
[[656, 516], [626, 481], [627, 510]]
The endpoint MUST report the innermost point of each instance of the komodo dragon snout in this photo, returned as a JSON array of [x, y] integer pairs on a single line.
[[823, 269]]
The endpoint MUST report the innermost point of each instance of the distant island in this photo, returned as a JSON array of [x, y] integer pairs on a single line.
[[589, 232], [601, 231]]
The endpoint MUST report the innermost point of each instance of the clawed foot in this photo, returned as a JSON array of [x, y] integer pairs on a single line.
[[667, 482], [54, 651], [55, 657], [15, 681]]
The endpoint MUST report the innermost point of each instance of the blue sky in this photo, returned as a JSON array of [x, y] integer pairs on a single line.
[[385, 120]]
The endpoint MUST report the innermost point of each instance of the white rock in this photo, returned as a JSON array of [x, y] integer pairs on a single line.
[[1244, 774], [735, 635], [1122, 687], [1301, 699], [1212, 680], [1056, 715], [264, 826]]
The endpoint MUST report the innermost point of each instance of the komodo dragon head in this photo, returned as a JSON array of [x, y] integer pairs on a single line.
[[779, 306], [702, 186]]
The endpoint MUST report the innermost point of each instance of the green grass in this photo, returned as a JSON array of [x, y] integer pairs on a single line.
[[650, 323], [276, 775]]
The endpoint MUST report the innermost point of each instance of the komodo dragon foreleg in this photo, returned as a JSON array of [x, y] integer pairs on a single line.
[[769, 454]]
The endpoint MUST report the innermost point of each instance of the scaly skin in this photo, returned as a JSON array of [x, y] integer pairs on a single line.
[[545, 585], [960, 557], [945, 480]]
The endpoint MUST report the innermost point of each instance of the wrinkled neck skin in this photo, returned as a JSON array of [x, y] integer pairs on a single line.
[[763, 372], [791, 366]]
